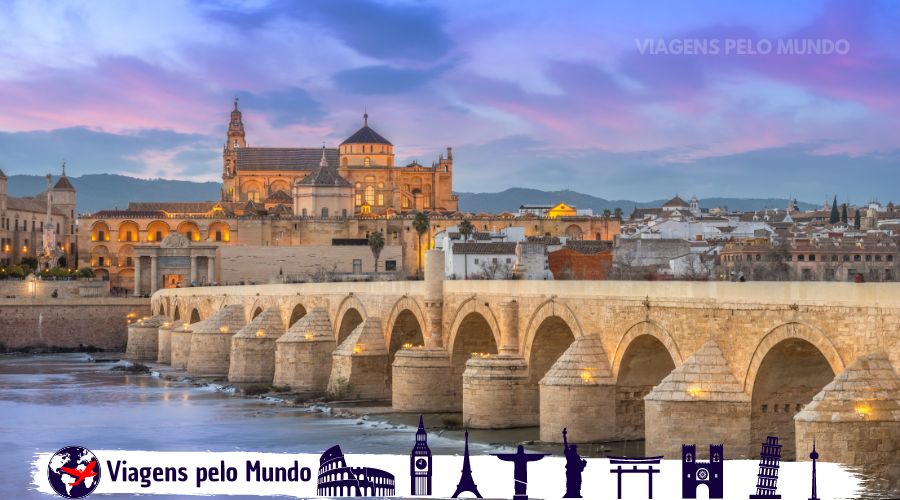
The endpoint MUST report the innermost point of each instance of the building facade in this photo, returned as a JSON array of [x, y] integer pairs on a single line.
[[25, 221]]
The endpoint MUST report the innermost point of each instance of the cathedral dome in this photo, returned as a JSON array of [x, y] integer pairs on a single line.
[[366, 135]]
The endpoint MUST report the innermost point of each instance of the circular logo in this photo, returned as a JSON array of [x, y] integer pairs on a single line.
[[421, 463], [74, 472], [702, 474]]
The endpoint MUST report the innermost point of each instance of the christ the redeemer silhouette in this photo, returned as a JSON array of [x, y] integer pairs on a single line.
[[520, 473]]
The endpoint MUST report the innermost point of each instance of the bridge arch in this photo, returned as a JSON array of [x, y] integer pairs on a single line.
[[195, 316], [469, 306], [792, 363], [644, 356], [350, 314], [296, 312], [647, 327], [547, 310], [789, 330], [406, 324]]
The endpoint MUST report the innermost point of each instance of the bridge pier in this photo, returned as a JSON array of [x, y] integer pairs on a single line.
[[303, 355], [361, 367], [701, 400], [421, 381], [579, 393], [498, 394], [210, 352], [253, 348], [143, 339], [856, 418], [181, 346], [164, 343]]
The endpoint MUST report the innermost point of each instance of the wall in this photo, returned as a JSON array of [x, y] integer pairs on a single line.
[[259, 264], [75, 288], [68, 323]]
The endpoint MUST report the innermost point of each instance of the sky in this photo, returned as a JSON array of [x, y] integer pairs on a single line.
[[631, 99]]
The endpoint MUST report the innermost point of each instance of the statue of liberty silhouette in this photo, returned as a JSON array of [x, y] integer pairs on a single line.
[[574, 467]]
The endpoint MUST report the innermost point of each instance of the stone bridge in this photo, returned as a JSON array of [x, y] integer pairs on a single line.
[[668, 362]]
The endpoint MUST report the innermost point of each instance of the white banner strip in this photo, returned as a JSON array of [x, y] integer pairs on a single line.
[[264, 474]]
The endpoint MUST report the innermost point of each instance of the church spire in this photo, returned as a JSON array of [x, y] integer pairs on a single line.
[[366, 119], [323, 162]]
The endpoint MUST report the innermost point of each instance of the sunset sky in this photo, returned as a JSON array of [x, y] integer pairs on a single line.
[[549, 95]]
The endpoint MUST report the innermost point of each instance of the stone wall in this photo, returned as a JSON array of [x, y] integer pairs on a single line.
[[259, 264], [44, 288], [68, 322]]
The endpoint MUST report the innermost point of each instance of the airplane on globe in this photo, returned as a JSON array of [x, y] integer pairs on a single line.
[[81, 475]]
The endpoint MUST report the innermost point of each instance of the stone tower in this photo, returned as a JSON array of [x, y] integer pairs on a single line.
[[3, 193], [235, 139]]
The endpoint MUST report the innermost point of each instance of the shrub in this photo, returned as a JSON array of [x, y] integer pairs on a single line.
[[256, 390]]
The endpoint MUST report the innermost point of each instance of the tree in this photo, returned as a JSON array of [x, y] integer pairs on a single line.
[[376, 245], [857, 222], [835, 215], [496, 270], [466, 229], [421, 225], [844, 213], [606, 213], [617, 213]]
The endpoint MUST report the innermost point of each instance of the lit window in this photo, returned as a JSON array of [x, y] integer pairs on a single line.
[[367, 162], [380, 199], [370, 194], [358, 199]]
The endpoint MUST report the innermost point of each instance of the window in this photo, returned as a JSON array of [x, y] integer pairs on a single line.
[[357, 266], [344, 213], [856, 258], [888, 275], [812, 258], [380, 199], [890, 258], [101, 235], [324, 212], [494, 260], [189, 235], [800, 258], [877, 258], [101, 261], [253, 196], [508, 260], [157, 236], [806, 274], [868, 258], [476, 260], [358, 199], [834, 258], [390, 265], [846, 258], [367, 162], [128, 236], [218, 235], [370, 194], [129, 262], [304, 212]]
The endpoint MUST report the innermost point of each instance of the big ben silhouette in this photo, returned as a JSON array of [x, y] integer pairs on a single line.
[[420, 463]]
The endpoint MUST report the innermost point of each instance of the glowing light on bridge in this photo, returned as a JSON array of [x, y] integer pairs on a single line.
[[587, 375], [863, 409], [260, 333], [308, 335], [223, 329], [695, 391], [357, 349]]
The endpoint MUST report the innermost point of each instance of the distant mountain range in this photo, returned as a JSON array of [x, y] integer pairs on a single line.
[[110, 191]]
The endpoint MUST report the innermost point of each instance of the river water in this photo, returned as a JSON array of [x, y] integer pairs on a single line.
[[50, 401]]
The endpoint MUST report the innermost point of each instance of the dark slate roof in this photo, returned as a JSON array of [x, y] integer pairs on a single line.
[[281, 209], [324, 176], [502, 248], [366, 135], [254, 159], [63, 184], [676, 202], [589, 246], [36, 204], [279, 196]]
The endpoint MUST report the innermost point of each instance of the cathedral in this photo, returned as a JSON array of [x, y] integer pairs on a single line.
[[359, 177]]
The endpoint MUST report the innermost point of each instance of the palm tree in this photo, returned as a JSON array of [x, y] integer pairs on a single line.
[[617, 213], [421, 225], [606, 213], [466, 229], [376, 244]]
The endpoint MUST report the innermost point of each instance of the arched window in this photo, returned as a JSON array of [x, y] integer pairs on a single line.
[[370, 194], [304, 212], [367, 162]]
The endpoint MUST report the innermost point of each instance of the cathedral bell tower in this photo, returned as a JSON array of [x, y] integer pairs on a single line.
[[234, 141]]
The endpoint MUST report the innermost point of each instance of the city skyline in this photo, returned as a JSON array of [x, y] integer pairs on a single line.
[[528, 96]]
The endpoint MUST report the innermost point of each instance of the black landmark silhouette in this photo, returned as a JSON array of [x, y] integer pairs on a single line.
[[769, 460], [520, 472], [336, 479], [466, 483], [420, 463], [814, 456], [634, 463], [574, 466], [695, 473]]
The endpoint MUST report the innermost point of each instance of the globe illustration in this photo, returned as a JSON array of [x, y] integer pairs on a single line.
[[74, 472]]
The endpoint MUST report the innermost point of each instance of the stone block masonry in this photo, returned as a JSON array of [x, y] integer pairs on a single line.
[[68, 323]]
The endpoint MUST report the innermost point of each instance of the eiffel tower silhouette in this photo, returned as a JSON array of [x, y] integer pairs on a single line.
[[466, 483]]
